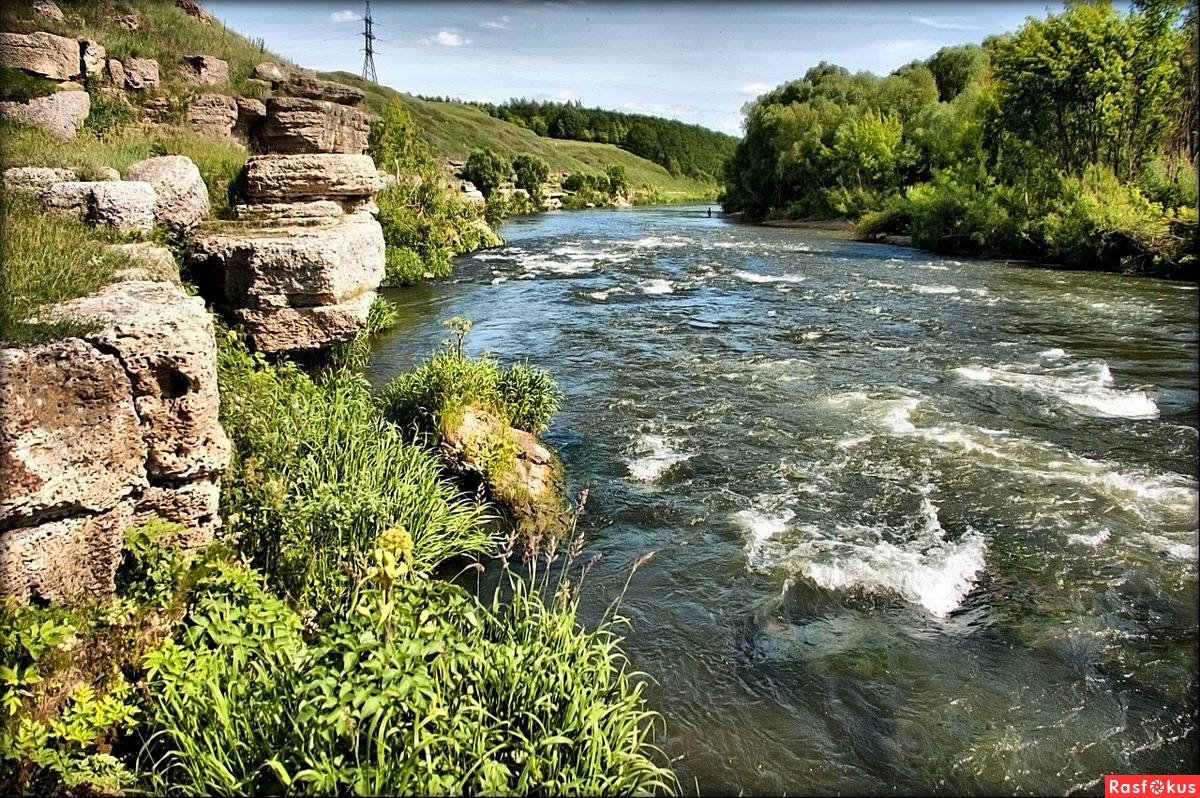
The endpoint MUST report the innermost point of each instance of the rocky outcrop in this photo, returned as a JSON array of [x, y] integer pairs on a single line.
[[250, 114], [40, 54], [35, 178], [300, 125], [181, 195], [193, 9], [92, 58], [269, 72], [46, 9], [73, 486], [291, 178], [114, 70], [213, 114], [62, 113], [205, 70], [141, 73], [123, 204], [298, 84]]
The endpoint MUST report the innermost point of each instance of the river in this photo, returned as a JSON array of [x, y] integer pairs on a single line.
[[920, 525]]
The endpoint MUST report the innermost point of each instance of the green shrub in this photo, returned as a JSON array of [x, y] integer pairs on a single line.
[[403, 267], [530, 396], [417, 688], [439, 388], [318, 473], [395, 144], [531, 172], [109, 113], [487, 170]]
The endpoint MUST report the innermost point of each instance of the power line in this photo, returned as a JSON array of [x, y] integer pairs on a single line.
[[369, 37]]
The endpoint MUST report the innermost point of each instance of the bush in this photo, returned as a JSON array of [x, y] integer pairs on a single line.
[[418, 688], [531, 172], [394, 143], [530, 396], [318, 473], [487, 170]]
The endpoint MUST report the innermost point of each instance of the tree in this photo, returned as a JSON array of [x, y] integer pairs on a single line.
[[394, 143], [531, 171], [954, 68], [487, 170], [618, 183]]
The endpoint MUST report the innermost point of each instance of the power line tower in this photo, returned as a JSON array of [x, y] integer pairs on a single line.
[[369, 46]]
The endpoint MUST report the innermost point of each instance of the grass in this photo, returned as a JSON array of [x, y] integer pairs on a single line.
[[453, 130], [166, 34], [45, 259]]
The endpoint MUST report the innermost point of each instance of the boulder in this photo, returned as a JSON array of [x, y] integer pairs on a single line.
[[295, 267], [193, 9], [124, 205], [285, 212], [205, 70], [35, 178], [141, 73], [300, 125], [270, 72], [40, 54], [107, 174], [46, 9], [92, 58], [298, 329], [69, 436], [213, 114], [153, 262], [114, 70], [282, 178], [313, 88], [65, 560], [182, 197], [62, 113], [250, 114], [157, 108], [129, 19], [163, 339]]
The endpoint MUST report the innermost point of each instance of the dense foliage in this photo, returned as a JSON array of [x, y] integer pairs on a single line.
[[680, 148], [1072, 139], [487, 170]]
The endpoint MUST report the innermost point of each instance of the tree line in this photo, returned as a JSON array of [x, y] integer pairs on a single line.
[[1073, 139], [682, 149]]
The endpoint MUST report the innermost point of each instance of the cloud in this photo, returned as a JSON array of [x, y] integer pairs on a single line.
[[755, 89], [564, 96], [942, 24], [497, 24], [445, 38], [662, 110], [345, 15]]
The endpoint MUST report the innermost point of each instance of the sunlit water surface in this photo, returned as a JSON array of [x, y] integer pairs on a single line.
[[920, 525]]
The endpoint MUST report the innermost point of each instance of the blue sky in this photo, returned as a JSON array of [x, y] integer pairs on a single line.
[[694, 61]]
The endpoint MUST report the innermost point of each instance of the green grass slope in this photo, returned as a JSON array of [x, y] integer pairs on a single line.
[[452, 130]]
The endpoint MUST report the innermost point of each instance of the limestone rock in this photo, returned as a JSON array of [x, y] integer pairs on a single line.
[[193, 9], [41, 54], [66, 560], [281, 178], [129, 20], [308, 211], [195, 505], [157, 108], [296, 267], [297, 329], [250, 114], [92, 57], [213, 114], [107, 174], [57, 457], [163, 339], [313, 88], [141, 73], [300, 125], [182, 196], [154, 262], [125, 204], [46, 9], [205, 70], [35, 178], [115, 71], [62, 113], [269, 71]]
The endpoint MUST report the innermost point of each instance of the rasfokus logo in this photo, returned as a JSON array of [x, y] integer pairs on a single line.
[[1152, 786]]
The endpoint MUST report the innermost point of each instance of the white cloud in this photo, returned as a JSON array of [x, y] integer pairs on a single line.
[[445, 38], [943, 24], [345, 15], [497, 24], [662, 110], [564, 96], [755, 89]]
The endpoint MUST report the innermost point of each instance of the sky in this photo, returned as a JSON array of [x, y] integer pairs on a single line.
[[698, 62]]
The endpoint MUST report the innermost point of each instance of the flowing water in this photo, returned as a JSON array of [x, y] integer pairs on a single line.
[[919, 525]]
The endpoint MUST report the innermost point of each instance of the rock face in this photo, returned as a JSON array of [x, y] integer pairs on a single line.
[[181, 195], [313, 88], [205, 70], [141, 73], [123, 204], [62, 113], [35, 178], [288, 178], [250, 115], [270, 72], [73, 486], [92, 58], [213, 114], [300, 125], [193, 9], [46, 9], [115, 71], [41, 54]]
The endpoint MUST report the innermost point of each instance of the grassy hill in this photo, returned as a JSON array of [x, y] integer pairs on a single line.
[[452, 130]]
